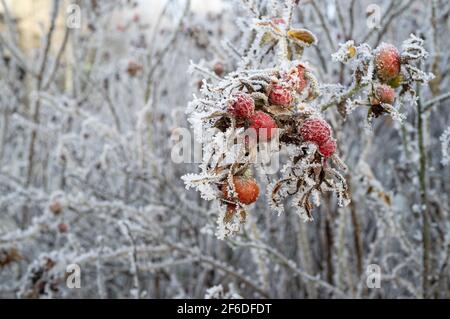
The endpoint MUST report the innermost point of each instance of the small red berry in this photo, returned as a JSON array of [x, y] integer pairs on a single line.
[[261, 120], [387, 62], [315, 130], [242, 106], [219, 68], [279, 95], [246, 188], [134, 68], [56, 207], [63, 228], [383, 94], [328, 148]]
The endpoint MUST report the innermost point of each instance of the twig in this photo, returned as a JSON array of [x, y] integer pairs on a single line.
[[162, 53], [40, 77], [57, 60], [350, 92], [426, 235], [291, 265], [429, 104], [324, 25]]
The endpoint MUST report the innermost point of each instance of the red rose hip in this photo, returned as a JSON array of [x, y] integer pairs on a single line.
[[260, 121], [281, 96], [242, 106], [247, 190], [315, 130], [387, 62], [383, 94], [328, 148]]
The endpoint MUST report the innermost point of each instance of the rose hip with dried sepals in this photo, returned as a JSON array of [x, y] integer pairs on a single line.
[[280, 95]]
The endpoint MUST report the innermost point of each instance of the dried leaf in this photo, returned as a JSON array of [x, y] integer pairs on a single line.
[[242, 216], [302, 35], [229, 215], [278, 110], [351, 51]]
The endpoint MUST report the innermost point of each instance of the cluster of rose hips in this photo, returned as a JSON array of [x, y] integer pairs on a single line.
[[243, 109], [387, 63], [284, 101], [282, 94]]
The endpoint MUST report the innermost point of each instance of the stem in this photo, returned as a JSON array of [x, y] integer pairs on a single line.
[[405, 142], [357, 239], [351, 91], [40, 77], [426, 236], [329, 243], [159, 56], [428, 105], [324, 25]]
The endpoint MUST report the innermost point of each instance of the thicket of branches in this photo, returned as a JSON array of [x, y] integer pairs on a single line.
[[86, 175]]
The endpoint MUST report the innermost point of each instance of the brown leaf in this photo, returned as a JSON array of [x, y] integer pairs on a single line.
[[242, 216], [229, 215]]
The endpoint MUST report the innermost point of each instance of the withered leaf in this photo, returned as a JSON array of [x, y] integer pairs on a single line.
[[351, 52], [278, 110], [302, 35]]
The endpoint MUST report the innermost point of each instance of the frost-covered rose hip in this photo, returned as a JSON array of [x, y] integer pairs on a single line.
[[242, 106], [315, 130], [281, 96], [328, 148], [261, 120], [383, 94], [387, 62], [246, 188]]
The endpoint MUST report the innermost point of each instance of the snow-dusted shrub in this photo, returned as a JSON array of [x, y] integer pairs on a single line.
[[90, 117]]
